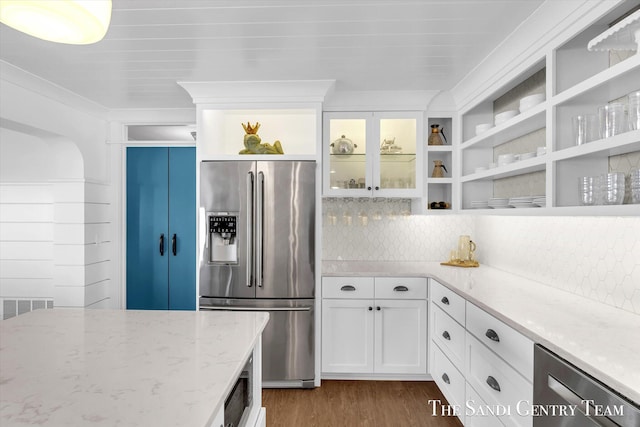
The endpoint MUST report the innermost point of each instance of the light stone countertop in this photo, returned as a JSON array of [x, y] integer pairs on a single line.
[[601, 340], [74, 367]]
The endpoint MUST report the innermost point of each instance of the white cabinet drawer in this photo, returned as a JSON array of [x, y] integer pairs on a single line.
[[449, 379], [512, 346], [478, 413], [449, 301], [401, 287], [498, 383], [347, 287], [449, 335]]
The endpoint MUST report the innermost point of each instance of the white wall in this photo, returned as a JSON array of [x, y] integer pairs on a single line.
[[55, 208]]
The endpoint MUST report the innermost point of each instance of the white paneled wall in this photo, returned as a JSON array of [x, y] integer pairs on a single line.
[[81, 244], [55, 245], [26, 247]]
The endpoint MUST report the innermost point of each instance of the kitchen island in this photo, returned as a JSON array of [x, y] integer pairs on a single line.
[[597, 338], [79, 367]]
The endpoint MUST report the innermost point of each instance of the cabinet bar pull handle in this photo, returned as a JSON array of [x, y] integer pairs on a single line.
[[445, 300], [493, 383], [446, 335], [348, 288], [445, 378], [400, 288], [162, 244], [492, 335], [174, 245]]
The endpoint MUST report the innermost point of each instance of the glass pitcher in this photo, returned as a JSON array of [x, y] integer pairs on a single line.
[[437, 136]]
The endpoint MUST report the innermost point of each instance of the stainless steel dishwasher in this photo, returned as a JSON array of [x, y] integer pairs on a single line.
[[564, 396]]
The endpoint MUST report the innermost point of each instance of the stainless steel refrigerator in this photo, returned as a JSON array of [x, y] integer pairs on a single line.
[[258, 254]]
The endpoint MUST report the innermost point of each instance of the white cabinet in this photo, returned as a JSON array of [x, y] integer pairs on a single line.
[[400, 336], [387, 155], [574, 82], [470, 346], [374, 325], [347, 335]]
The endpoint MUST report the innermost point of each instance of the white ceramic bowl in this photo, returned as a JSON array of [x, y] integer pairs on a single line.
[[503, 117], [483, 127], [505, 159], [525, 156], [531, 101]]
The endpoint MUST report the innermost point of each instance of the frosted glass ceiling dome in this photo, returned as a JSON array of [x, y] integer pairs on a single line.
[[61, 21]]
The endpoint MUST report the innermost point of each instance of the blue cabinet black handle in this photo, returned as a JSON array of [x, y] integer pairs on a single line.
[[445, 300], [493, 383], [400, 289], [174, 245], [348, 288], [492, 335], [162, 244]]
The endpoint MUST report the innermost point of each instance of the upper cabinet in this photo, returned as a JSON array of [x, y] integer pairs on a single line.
[[532, 142], [373, 154], [289, 112]]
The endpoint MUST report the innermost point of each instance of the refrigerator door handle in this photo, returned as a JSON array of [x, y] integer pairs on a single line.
[[259, 215], [249, 239]]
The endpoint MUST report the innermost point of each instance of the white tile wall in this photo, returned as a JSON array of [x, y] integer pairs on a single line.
[[394, 237], [596, 257]]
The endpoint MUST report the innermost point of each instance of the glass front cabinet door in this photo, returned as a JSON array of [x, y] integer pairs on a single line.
[[373, 154]]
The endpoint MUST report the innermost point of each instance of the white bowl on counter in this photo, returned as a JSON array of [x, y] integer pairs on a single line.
[[503, 117], [483, 127], [530, 101]]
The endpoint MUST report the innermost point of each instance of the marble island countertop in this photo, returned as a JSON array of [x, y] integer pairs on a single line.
[[67, 367], [603, 341]]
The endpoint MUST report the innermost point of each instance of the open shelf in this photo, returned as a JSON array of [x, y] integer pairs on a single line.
[[521, 167]]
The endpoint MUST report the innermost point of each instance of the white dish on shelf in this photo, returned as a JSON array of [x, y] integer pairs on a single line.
[[504, 116], [480, 169], [525, 156], [505, 159], [483, 127], [541, 151], [530, 101]]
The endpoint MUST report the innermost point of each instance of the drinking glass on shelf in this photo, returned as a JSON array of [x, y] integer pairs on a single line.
[[613, 188], [587, 190], [612, 119], [634, 182], [634, 110], [585, 128]]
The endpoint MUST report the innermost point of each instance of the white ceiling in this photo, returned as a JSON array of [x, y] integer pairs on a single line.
[[362, 44]]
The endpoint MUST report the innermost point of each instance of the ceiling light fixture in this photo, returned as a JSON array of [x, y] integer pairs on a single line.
[[60, 21]]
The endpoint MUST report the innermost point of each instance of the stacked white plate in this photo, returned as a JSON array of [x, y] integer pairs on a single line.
[[498, 203], [540, 201], [479, 204], [531, 101], [525, 156], [521, 202]]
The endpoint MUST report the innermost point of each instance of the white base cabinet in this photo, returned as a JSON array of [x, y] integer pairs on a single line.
[[483, 366], [365, 334]]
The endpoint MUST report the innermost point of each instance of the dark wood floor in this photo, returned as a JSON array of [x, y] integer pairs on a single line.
[[356, 403]]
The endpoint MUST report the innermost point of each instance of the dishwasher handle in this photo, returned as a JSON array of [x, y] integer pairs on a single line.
[[582, 405]]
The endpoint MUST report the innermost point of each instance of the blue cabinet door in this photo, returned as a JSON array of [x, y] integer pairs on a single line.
[[182, 228], [161, 228], [147, 231]]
